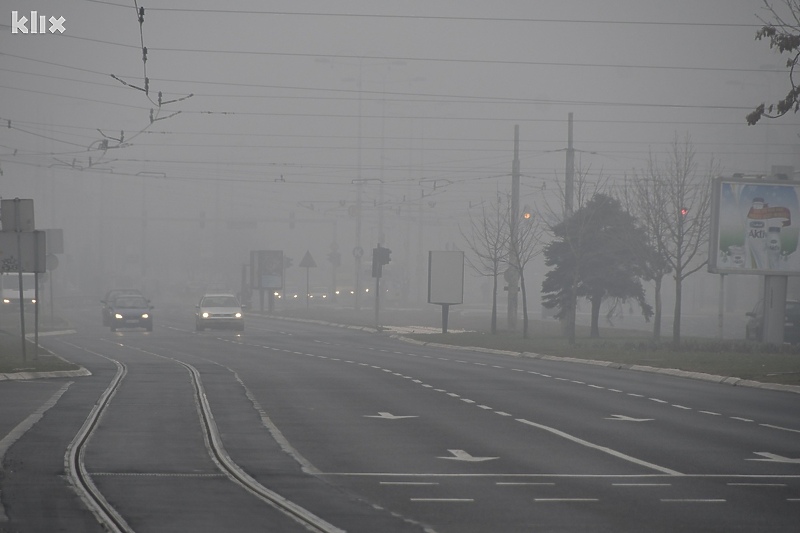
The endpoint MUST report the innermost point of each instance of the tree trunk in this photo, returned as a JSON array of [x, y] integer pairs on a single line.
[[676, 318], [572, 303], [595, 329], [494, 303], [524, 307], [657, 311]]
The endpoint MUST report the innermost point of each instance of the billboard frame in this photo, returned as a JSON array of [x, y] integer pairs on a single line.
[[747, 236]]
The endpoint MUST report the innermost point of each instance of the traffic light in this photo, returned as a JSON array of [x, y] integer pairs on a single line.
[[380, 257], [684, 212]]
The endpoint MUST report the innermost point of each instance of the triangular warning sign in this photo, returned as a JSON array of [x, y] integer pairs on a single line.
[[308, 261]]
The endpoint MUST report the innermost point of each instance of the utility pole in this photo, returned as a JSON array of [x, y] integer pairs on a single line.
[[360, 250], [569, 320], [569, 186], [513, 277]]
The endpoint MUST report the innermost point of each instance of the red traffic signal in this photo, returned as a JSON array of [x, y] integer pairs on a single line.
[[684, 211]]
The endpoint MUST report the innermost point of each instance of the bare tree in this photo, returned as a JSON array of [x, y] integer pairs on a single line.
[[643, 197], [682, 198], [525, 243], [783, 33], [487, 239]]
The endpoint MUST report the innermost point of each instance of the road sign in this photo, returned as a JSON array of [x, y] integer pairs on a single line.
[[308, 261]]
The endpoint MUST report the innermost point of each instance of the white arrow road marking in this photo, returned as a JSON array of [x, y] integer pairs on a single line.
[[774, 458], [461, 455], [628, 418], [389, 416]]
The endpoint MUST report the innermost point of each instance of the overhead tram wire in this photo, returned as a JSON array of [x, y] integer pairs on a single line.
[[438, 17]]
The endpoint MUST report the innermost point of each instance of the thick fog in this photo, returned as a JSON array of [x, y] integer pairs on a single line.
[[279, 119]]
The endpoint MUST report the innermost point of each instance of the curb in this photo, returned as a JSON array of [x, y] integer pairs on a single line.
[[22, 376], [726, 380]]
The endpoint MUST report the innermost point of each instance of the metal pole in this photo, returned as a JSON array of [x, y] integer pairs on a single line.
[[570, 171], [18, 222], [377, 299], [36, 315], [358, 242], [513, 244], [721, 305]]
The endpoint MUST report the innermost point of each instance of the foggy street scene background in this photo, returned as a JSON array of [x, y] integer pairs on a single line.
[[168, 143]]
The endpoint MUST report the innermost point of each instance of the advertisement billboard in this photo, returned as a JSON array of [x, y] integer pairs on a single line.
[[755, 226], [266, 269], [445, 277]]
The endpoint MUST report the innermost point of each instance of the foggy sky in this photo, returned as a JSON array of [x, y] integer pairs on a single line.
[[294, 102]]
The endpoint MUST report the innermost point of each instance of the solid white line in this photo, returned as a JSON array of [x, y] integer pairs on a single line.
[[757, 485], [604, 449], [779, 427], [21, 428]]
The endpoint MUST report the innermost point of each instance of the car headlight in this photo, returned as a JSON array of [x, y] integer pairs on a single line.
[[205, 314], [238, 315], [145, 315], [118, 316]]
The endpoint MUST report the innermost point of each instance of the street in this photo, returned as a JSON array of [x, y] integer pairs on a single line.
[[295, 426]]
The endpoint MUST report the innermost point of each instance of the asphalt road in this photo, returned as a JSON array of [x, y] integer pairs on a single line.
[[294, 427]]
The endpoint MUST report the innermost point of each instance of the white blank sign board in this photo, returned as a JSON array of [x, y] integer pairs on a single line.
[[445, 277]]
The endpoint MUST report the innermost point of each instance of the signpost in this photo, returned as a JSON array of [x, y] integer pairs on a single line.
[[445, 281], [308, 263], [22, 249]]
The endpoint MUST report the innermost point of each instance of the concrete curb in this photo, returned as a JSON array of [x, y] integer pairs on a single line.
[[726, 380]]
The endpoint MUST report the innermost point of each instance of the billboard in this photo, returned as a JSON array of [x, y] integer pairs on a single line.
[[266, 269], [755, 226], [445, 277]]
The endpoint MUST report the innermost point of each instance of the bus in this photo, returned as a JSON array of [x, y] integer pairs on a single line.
[[9, 284]]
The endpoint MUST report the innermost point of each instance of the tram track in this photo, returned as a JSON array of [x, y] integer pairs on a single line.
[[74, 464], [105, 513]]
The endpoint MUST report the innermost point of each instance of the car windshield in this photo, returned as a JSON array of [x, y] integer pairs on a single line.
[[130, 302], [220, 301]]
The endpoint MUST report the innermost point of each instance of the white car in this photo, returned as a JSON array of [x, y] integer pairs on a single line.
[[219, 311]]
